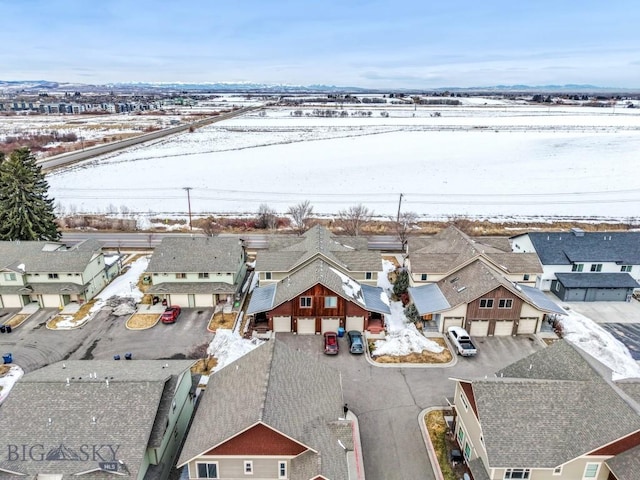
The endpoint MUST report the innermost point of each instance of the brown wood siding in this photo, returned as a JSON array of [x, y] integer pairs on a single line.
[[355, 310], [467, 388], [318, 294], [474, 312], [619, 446], [258, 440]]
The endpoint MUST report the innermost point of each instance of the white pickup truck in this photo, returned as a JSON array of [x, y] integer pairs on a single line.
[[462, 342]]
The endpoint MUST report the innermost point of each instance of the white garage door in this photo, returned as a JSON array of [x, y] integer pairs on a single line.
[[355, 323], [204, 300], [479, 328], [181, 299], [282, 324], [11, 301], [452, 322], [330, 324], [51, 301], [503, 328], [527, 325], [306, 326]]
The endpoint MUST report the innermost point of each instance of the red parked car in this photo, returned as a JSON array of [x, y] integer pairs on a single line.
[[171, 314], [331, 343]]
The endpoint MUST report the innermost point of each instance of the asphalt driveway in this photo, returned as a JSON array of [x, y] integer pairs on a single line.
[[628, 334]]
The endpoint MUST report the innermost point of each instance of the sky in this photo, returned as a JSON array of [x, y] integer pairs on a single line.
[[363, 43]]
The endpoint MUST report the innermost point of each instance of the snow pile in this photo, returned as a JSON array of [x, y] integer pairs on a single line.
[[383, 277], [600, 344], [126, 285], [8, 379], [405, 341], [397, 321], [350, 287], [228, 346], [124, 309]]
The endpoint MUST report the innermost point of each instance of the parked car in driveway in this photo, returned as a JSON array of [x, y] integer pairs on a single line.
[[171, 314], [462, 342], [331, 343], [356, 343]]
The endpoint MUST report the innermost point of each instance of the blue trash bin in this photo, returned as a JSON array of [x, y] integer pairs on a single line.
[[8, 358], [116, 357], [340, 332], [128, 356]]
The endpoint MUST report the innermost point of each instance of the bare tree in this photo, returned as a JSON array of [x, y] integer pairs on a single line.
[[300, 214], [266, 217], [210, 227], [354, 218], [403, 224]]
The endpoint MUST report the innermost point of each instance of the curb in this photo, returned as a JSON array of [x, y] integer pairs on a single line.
[[142, 328], [451, 363], [357, 446], [433, 459]]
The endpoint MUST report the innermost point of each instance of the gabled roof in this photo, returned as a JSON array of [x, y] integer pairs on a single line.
[[428, 298], [347, 253], [565, 248], [451, 248], [197, 254], [562, 398], [284, 389], [317, 272], [626, 464], [47, 257], [597, 280], [43, 410]]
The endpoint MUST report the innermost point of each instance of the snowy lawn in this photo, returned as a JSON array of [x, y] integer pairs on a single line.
[[600, 344], [9, 375], [228, 346]]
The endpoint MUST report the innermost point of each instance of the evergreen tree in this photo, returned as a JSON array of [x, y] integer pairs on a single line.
[[26, 213], [402, 283]]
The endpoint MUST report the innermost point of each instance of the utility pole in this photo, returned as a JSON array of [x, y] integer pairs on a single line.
[[188, 189], [399, 205]]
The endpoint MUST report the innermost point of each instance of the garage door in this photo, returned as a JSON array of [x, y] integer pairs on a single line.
[[306, 326], [355, 323], [51, 301], [330, 325], [180, 299], [452, 322], [282, 324], [527, 325], [11, 301], [204, 300], [503, 328], [479, 328]]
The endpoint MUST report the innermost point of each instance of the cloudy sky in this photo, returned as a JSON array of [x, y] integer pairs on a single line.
[[366, 43]]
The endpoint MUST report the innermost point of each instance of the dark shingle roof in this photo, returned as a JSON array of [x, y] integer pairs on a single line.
[[597, 280], [43, 410], [197, 254], [564, 248], [561, 399], [192, 287], [286, 390], [626, 465], [47, 257]]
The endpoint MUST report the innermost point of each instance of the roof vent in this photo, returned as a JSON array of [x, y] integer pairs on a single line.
[[461, 289], [578, 232]]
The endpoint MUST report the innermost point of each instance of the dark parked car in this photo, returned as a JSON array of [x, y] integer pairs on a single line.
[[171, 314], [331, 343], [356, 343]]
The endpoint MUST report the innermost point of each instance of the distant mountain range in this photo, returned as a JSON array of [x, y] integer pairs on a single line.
[[41, 86]]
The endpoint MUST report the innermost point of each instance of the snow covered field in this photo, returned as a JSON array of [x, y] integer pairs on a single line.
[[503, 159]]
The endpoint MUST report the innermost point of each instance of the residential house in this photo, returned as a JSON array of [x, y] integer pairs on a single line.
[[97, 419], [431, 258], [50, 273], [484, 301], [275, 413], [556, 414], [585, 266], [318, 282], [197, 271]]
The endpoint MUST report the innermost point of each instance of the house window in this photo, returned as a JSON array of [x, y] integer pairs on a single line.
[[181, 275], [368, 275], [625, 268], [525, 277], [513, 473], [10, 277], [557, 288], [557, 470], [486, 303], [248, 467], [591, 470], [267, 275], [207, 470], [305, 302], [173, 406], [460, 435], [596, 267], [577, 267], [53, 276], [330, 302], [467, 451], [203, 275], [423, 277], [282, 469], [505, 303]]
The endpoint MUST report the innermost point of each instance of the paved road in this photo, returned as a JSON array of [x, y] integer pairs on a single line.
[[628, 334]]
